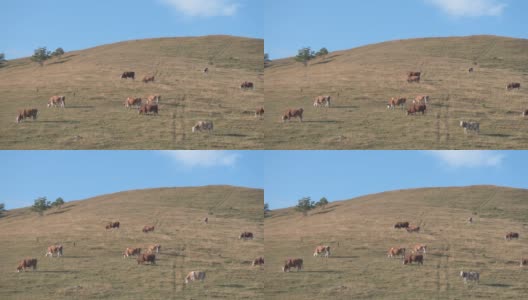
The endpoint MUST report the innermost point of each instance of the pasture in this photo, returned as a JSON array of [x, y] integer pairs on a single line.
[[360, 232], [362, 80], [93, 265], [95, 116]]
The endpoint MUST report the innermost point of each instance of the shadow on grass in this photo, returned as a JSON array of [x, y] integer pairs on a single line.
[[322, 212], [344, 106], [239, 286], [497, 135], [502, 285], [327, 121], [323, 62], [64, 122], [232, 135], [64, 272], [77, 256], [80, 106], [59, 212], [58, 62], [322, 271], [344, 256]]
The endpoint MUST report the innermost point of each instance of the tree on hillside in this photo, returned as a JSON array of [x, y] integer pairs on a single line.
[[2, 208], [323, 52], [304, 55], [266, 209], [322, 202], [40, 55], [267, 60], [58, 52], [41, 204], [58, 202], [304, 205], [2, 59]]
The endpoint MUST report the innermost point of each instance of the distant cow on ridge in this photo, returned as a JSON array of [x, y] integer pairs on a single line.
[[126, 75]]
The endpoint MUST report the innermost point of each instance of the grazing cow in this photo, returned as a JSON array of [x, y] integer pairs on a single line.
[[324, 250], [146, 257], [411, 79], [130, 101], [524, 262], [26, 264], [155, 247], [471, 126], [54, 249], [471, 276], [148, 79], [148, 108], [147, 228], [292, 263], [417, 258], [421, 99], [195, 276], [410, 74], [322, 101], [26, 114], [203, 125], [396, 252], [413, 229], [470, 220], [470, 70], [259, 261], [206, 220], [111, 225], [293, 113], [131, 252], [420, 248], [246, 85], [126, 75], [513, 85], [57, 101], [206, 70], [246, 235], [525, 113], [153, 99], [393, 102], [511, 235], [259, 113], [416, 108], [400, 225]]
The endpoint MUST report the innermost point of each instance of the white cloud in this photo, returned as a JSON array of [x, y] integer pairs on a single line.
[[204, 8], [468, 158], [203, 158], [470, 8]]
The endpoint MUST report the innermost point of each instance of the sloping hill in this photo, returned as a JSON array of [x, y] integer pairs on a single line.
[[94, 267], [362, 80], [95, 117], [360, 231]]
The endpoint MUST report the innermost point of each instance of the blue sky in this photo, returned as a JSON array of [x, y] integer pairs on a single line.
[[344, 24], [76, 175], [341, 175], [79, 24]]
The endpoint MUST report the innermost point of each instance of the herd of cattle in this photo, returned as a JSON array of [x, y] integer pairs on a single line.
[[416, 255], [418, 105], [149, 256], [149, 107]]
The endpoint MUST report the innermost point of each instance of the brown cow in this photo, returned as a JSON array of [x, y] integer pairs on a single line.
[[54, 249], [111, 225], [131, 252], [410, 74], [195, 276], [470, 70], [511, 235], [401, 225], [148, 79], [421, 99], [293, 113], [322, 101], [524, 262], [413, 79], [292, 263], [525, 113], [148, 108], [259, 261], [153, 99], [147, 228], [413, 229], [246, 235], [152, 248], [126, 75], [420, 248], [396, 252], [513, 85], [146, 257], [246, 85], [27, 263], [259, 113], [325, 250], [131, 101], [57, 101], [416, 108], [393, 102], [417, 258], [26, 114]]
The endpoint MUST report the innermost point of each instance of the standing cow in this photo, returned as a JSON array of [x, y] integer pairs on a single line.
[[126, 75], [195, 276]]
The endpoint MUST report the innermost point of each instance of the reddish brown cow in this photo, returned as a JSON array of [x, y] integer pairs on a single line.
[[26, 264], [401, 225], [146, 257], [293, 113], [246, 235], [393, 102], [147, 228], [26, 114], [259, 113], [513, 85], [409, 74], [292, 263], [148, 108], [148, 79], [396, 252], [413, 229], [511, 236], [131, 252], [131, 101], [54, 249], [154, 248], [246, 85], [57, 101], [126, 75], [417, 258], [413, 79], [416, 108], [111, 225]]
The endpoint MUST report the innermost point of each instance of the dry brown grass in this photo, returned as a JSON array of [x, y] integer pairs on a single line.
[[95, 268], [95, 117], [362, 80], [360, 232]]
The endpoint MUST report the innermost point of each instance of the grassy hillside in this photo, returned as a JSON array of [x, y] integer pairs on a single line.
[[95, 268], [360, 231], [362, 80], [95, 117]]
